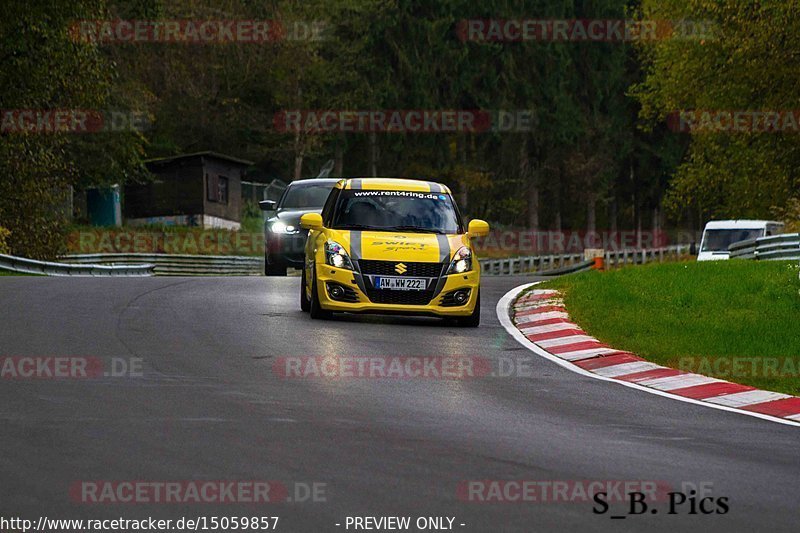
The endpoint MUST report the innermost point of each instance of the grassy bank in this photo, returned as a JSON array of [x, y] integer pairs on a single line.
[[736, 320], [156, 239]]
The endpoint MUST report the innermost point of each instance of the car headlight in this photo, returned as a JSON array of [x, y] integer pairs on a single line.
[[280, 227], [462, 261], [335, 255]]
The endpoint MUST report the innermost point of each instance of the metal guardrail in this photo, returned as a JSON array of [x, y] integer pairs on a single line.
[[545, 265], [572, 269], [231, 265], [777, 247], [527, 264], [620, 258], [49, 268], [180, 264]]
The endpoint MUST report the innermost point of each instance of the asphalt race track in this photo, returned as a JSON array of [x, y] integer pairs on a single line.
[[209, 406]]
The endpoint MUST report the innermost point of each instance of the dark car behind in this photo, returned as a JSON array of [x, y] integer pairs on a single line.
[[284, 240]]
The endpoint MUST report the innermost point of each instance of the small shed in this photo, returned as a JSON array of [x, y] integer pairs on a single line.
[[202, 189]]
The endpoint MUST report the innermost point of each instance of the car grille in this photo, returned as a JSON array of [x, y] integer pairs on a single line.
[[414, 270], [400, 297], [294, 244]]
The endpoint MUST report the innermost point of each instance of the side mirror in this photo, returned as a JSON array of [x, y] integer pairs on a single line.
[[267, 205], [478, 228], [311, 221]]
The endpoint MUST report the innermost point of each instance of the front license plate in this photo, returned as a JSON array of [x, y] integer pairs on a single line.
[[400, 284]]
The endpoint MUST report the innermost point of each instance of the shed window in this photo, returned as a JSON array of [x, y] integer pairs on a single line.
[[217, 189]]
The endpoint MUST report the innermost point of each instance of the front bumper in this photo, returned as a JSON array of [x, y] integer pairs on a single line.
[[360, 287]]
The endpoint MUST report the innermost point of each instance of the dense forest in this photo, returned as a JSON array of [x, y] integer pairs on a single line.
[[607, 141]]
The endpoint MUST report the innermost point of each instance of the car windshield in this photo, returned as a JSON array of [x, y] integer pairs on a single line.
[[718, 240], [306, 196], [396, 211]]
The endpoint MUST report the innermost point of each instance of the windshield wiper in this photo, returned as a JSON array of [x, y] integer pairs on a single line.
[[413, 228], [389, 228], [355, 226]]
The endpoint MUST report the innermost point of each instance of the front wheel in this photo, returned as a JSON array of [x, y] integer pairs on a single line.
[[316, 311], [473, 320], [273, 269]]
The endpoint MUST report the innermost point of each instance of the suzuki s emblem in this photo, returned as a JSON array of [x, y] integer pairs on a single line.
[[400, 268]]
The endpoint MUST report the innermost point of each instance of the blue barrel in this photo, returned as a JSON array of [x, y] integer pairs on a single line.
[[103, 206]]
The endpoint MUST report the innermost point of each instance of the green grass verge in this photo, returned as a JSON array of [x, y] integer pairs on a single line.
[[735, 320], [153, 239]]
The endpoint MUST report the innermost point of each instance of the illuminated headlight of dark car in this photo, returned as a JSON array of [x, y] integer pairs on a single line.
[[335, 255], [462, 261], [281, 228]]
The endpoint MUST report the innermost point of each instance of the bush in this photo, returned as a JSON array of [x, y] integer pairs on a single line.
[[31, 203], [4, 233], [790, 215]]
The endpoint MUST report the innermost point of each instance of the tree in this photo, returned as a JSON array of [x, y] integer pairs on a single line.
[[747, 61], [43, 68]]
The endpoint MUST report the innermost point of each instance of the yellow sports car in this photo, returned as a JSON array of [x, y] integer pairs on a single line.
[[391, 246]]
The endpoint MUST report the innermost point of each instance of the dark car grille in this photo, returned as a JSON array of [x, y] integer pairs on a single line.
[[283, 246], [294, 244], [414, 270]]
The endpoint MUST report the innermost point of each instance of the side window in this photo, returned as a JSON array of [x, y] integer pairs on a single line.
[[330, 203], [283, 196]]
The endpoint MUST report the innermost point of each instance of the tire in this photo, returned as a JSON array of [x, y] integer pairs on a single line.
[[305, 304], [273, 269], [316, 311], [473, 320]]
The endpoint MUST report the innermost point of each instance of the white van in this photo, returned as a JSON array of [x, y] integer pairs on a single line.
[[719, 234]]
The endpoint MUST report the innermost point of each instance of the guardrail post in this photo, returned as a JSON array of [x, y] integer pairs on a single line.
[[596, 255]]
